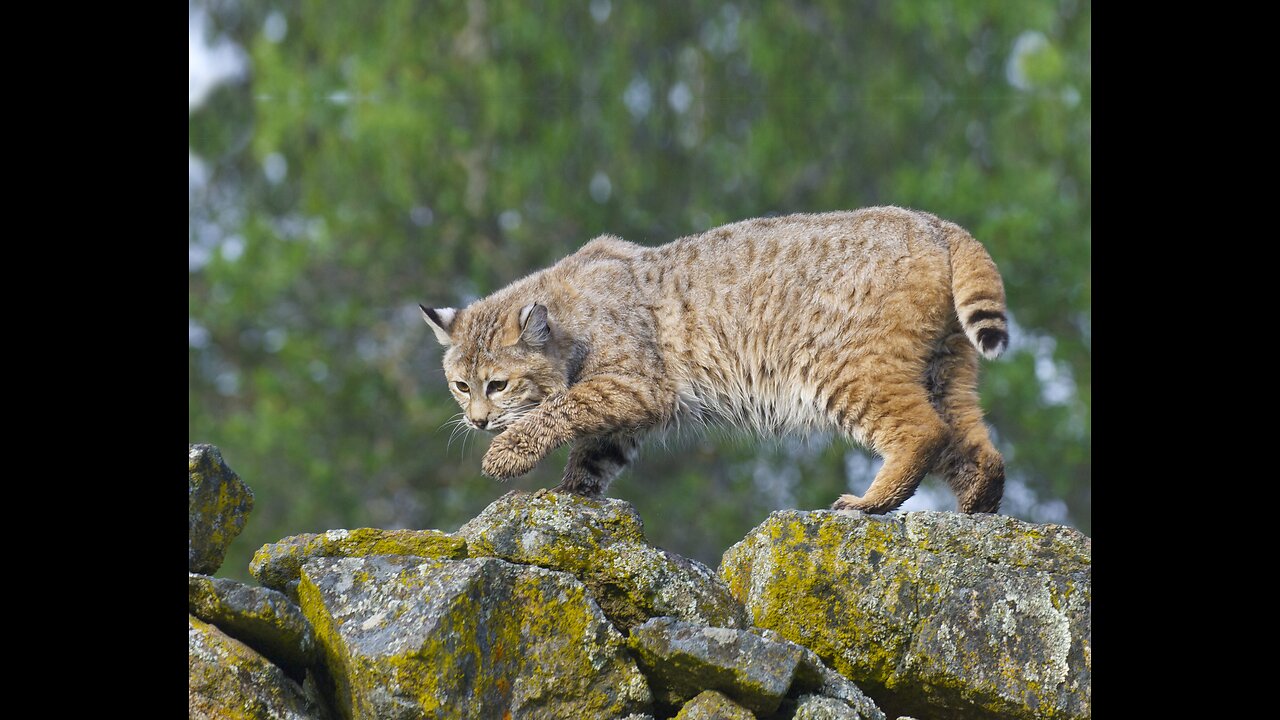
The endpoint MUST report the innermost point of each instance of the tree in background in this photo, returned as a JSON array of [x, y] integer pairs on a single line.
[[368, 158]]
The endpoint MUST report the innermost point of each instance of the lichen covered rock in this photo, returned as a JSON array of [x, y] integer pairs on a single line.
[[264, 619], [408, 637], [602, 543], [821, 707], [813, 678], [277, 565], [712, 705], [229, 680], [967, 616], [218, 506], [682, 659]]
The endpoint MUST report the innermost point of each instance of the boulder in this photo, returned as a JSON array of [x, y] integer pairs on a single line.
[[815, 679], [682, 659], [278, 565], [820, 707], [228, 679], [602, 543], [932, 614], [712, 705], [218, 506], [263, 619], [410, 637]]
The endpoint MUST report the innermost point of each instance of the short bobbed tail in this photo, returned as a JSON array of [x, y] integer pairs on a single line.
[[978, 293]]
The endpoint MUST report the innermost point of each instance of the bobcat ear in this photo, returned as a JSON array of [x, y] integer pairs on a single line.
[[530, 326], [440, 319]]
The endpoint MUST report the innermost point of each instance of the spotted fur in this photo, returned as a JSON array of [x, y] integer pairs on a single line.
[[869, 322]]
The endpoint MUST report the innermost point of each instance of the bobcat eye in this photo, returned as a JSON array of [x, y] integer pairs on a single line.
[[496, 386], [462, 387]]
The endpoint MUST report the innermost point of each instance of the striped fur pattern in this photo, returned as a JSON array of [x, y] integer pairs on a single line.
[[870, 322]]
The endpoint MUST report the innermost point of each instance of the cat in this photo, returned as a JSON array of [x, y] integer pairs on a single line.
[[866, 321]]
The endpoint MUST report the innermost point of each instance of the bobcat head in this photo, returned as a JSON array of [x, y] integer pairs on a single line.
[[500, 363]]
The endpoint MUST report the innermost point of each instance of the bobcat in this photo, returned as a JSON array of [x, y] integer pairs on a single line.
[[867, 321]]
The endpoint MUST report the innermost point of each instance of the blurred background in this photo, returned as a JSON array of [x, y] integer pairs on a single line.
[[348, 160]]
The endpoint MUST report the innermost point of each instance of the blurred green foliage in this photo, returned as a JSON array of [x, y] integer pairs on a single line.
[[379, 155]]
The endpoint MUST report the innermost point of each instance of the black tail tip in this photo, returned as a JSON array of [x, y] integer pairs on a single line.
[[992, 341]]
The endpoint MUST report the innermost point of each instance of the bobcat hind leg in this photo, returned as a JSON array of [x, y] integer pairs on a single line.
[[970, 462], [595, 461], [906, 430]]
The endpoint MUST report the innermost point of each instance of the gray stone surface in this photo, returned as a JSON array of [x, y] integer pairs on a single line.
[[712, 705], [820, 707], [277, 565], [602, 543], [408, 637], [932, 614], [814, 677], [682, 659], [263, 619], [228, 679], [218, 506]]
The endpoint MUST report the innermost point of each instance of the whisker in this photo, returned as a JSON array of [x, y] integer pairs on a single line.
[[453, 419]]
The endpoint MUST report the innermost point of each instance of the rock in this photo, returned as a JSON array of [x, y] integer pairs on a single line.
[[602, 543], [218, 506], [227, 679], [408, 637], [263, 619], [712, 705], [932, 614], [820, 707], [813, 676], [682, 659], [277, 565]]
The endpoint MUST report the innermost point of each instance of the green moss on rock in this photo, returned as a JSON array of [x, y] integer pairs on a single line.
[[264, 619], [230, 681], [971, 616], [277, 565], [712, 705], [602, 543], [407, 637], [683, 659], [219, 504]]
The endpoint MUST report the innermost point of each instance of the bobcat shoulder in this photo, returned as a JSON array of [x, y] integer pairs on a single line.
[[869, 321]]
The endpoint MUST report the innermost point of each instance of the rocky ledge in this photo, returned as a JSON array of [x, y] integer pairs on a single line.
[[555, 606]]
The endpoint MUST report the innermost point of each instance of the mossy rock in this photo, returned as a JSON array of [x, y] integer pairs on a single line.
[[228, 680], [602, 543], [407, 637], [820, 707], [712, 705], [932, 614], [278, 565], [682, 659], [262, 618], [218, 505]]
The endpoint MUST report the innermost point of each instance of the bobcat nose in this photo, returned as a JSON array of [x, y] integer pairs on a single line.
[[481, 423]]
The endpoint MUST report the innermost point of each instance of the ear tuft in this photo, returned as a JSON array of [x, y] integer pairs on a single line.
[[440, 320]]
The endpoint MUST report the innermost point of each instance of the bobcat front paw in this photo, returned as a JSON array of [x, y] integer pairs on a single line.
[[510, 455]]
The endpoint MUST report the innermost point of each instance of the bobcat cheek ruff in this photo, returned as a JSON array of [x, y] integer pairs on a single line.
[[869, 321]]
